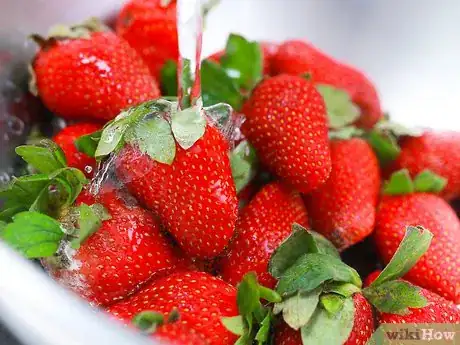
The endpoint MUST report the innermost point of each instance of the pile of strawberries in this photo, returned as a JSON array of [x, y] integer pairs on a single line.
[[198, 230]]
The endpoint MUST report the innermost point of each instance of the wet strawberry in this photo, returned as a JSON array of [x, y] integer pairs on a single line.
[[263, 224], [287, 124], [200, 299], [125, 252], [66, 140], [91, 75]]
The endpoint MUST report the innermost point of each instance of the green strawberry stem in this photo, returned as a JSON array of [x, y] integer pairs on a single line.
[[401, 183]]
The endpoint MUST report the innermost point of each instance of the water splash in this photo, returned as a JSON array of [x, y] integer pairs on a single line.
[[190, 33]]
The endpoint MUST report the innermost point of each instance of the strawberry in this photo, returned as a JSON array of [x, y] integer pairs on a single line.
[[263, 224], [436, 151], [200, 299], [127, 250], [297, 58], [287, 125], [363, 326], [439, 269], [178, 334], [66, 140], [176, 164], [343, 209], [86, 72], [268, 52], [150, 27]]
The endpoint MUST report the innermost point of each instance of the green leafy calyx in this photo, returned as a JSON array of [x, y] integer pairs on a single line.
[[401, 183]]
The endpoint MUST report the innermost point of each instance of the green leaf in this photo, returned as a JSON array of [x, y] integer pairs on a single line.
[[263, 334], [245, 339], [154, 137], [400, 183], [88, 143], [2, 225], [269, 294], [188, 126], [44, 193], [234, 324], [89, 221], [148, 321], [345, 133], [429, 182], [340, 109], [299, 308], [415, 243], [243, 61], [326, 329], [332, 303], [220, 114], [324, 245], [311, 270], [218, 87], [45, 158], [169, 78], [342, 289], [395, 297], [33, 234], [385, 146], [248, 294], [300, 242], [244, 164]]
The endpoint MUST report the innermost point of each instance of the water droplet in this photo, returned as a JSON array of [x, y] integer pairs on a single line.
[[88, 169]]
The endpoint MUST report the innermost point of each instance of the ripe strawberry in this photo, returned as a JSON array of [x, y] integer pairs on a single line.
[[343, 209], [264, 223], [269, 50], [66, 140], [178, 334], [363, 326], [92, 74], [438, 152], [297, 57], [194, 196], [287, 124], [200, 298], [125, 252], [439, 269], [150, 27]]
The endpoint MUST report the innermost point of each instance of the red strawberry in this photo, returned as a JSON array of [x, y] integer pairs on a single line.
[[92, 76], [343, 209], [150, 28], [363, 326], [269, 50], [66, 140], [125, 252], [264, 223], [297, 57], [439, 269], [200, 298], [178, 334], [195, 196], [438, 152], [287, 124]]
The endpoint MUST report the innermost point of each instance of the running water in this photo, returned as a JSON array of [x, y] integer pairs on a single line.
[[190, 33]]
